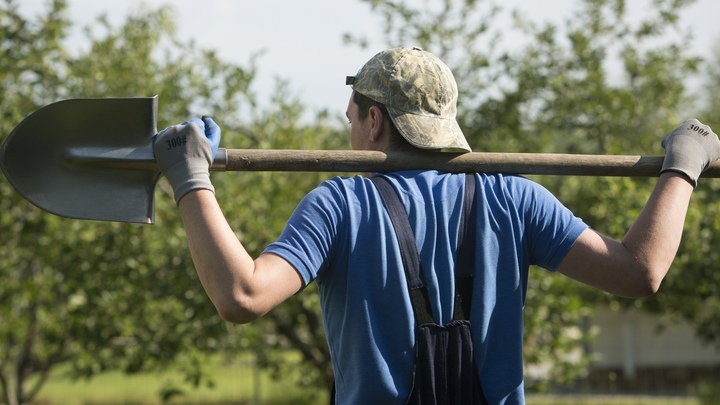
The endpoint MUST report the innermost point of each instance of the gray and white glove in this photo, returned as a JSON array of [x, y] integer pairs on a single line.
[[184, 153], [689, 149]]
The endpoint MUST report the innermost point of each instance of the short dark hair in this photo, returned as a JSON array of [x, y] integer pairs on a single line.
[[364, 103]]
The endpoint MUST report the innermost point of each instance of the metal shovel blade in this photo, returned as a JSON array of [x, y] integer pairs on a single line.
[[37, 158]]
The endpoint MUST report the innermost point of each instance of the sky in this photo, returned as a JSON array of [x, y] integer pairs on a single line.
[[302, 39]]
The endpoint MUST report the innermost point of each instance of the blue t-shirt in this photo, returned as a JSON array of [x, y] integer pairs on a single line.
[[341, 236]]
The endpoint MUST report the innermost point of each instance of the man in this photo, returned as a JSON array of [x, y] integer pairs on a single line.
[[341, 237]]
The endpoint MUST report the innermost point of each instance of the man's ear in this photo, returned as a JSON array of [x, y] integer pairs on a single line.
[[377, 121]]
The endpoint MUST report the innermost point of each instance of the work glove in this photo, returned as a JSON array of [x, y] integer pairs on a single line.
[[689, 149], [185, 152]]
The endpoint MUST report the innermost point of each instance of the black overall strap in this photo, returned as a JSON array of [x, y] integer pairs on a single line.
[[466, 252], [408, 250], [411, 258], [445, 368]]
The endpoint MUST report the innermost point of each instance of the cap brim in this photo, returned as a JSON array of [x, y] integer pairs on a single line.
[[430, 132]]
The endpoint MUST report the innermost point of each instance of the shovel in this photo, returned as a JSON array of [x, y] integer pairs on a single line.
[[93, 159]]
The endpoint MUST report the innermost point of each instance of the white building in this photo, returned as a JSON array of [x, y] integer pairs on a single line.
[[635, 351]]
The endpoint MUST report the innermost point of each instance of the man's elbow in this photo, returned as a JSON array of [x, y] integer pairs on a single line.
[[649, 283], [238, 309], [643, 291]]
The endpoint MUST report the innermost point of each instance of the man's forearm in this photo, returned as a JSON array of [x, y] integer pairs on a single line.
[[636, 266], [654, 237], [222, 263]]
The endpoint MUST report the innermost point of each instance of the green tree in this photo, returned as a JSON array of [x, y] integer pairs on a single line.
[[98, 295], [28, 75], [691, 292], [710, 99], [104, 296], [582, 106]]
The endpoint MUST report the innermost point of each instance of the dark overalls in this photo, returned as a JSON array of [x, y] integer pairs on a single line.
[[444, 370]]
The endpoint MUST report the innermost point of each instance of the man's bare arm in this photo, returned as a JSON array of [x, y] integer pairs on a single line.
[[242, 289], [635, 266]]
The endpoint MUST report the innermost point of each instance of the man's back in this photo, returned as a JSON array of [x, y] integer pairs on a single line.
[[341, 236]]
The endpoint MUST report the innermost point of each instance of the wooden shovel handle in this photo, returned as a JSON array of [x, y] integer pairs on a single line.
[[510, 163]]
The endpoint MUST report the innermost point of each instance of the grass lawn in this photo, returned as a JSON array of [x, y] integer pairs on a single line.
[[235, 383], [608, 400], [238, 384]]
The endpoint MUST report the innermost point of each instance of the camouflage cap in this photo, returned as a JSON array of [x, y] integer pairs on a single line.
[[420, 93]]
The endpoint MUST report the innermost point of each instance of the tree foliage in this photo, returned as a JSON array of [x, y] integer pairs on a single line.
[[103, 296], [97, 295]]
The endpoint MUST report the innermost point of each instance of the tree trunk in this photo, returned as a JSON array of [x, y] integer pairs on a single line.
[[9, 386]]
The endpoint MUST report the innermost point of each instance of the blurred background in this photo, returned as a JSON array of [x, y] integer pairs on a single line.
[[108, 313]]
